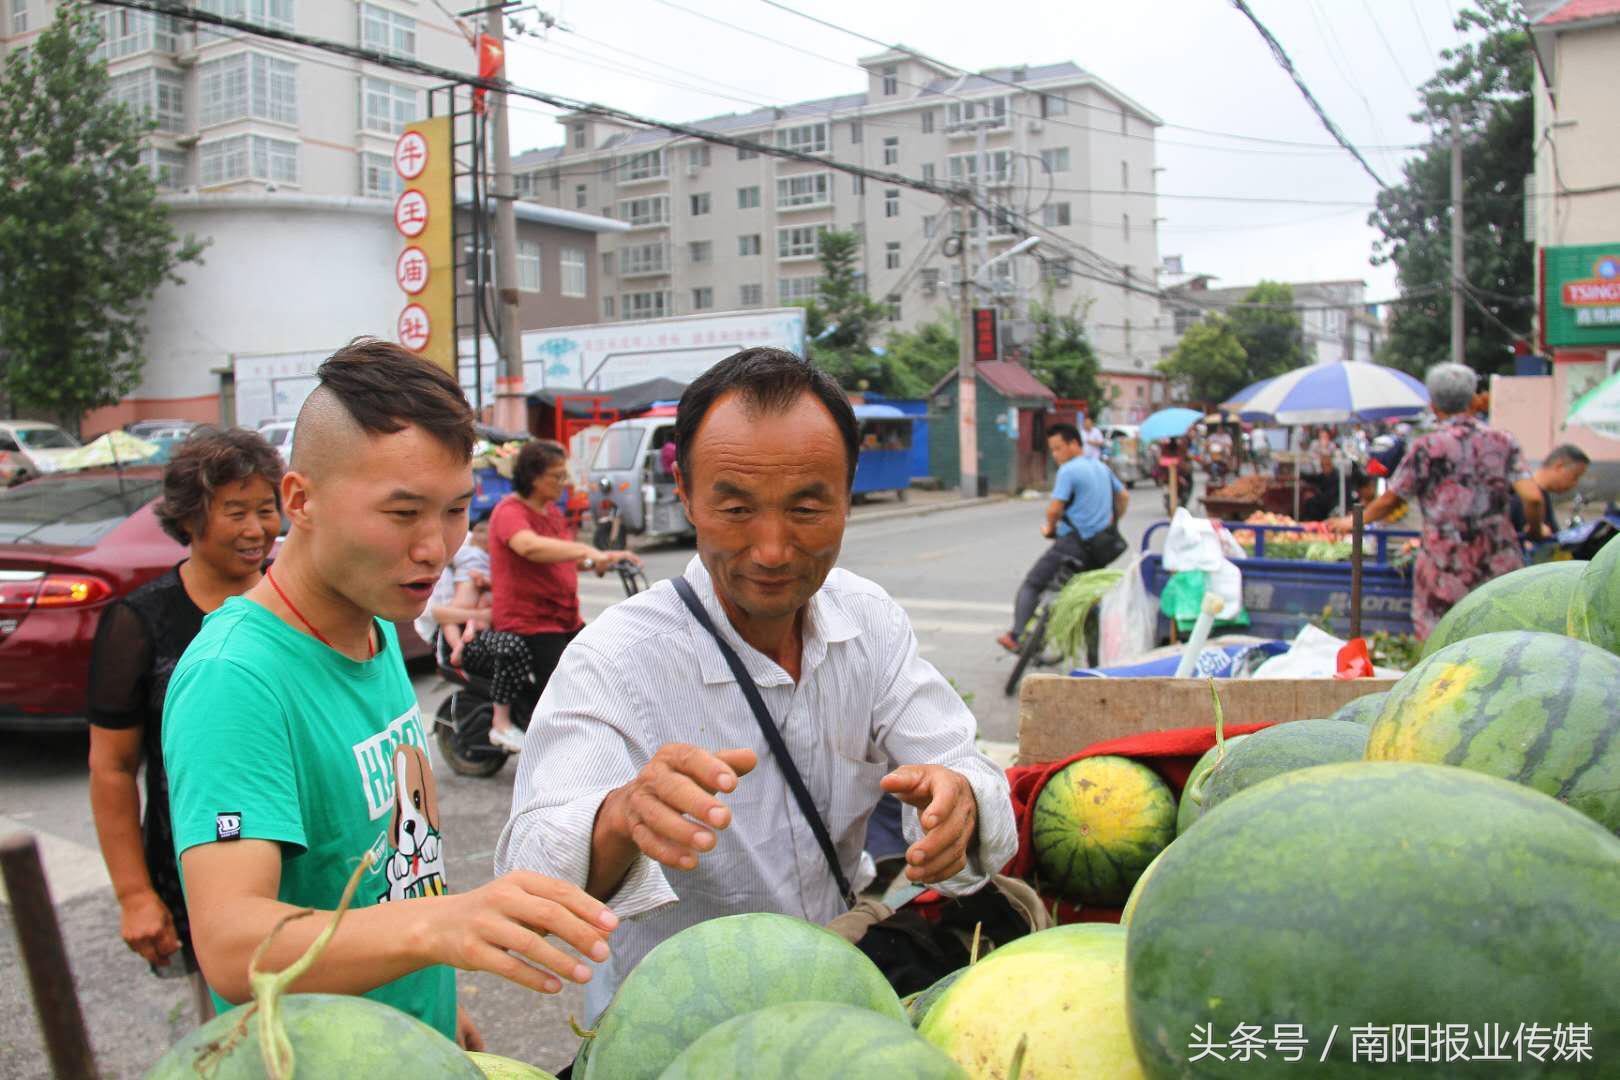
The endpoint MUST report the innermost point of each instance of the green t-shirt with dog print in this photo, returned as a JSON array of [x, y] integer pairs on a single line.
[[270, 735]]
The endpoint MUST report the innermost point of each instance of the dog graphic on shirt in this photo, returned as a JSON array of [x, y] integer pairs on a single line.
[[415, 863]]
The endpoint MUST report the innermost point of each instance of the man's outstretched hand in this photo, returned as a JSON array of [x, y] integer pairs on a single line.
[[949, 812], [670, 811]]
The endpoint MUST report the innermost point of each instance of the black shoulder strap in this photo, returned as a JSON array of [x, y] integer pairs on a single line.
[[773, 737]]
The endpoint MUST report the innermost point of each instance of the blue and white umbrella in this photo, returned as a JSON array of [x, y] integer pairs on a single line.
[[1331, 394]]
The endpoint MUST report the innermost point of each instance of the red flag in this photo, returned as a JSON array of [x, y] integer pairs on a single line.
[[491, 61]]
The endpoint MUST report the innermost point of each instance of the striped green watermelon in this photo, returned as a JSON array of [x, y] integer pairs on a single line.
[[332, 1035], [918, 1004], [812, 1040], [1132, 900], [495, 1067], [1098, 822], [1533, 598], [1063, 989], [1360, 894], [1594, 607], [721, 968], [1363, 710], [1538, 709], [1191, 803], [1273, 751]]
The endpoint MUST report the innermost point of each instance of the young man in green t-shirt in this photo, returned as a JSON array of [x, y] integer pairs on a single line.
[[293, 739]]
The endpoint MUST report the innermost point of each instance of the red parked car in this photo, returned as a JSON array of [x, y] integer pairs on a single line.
[[70, 543]]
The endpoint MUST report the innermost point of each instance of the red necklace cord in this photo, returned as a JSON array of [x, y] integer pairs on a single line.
[[371, 646]]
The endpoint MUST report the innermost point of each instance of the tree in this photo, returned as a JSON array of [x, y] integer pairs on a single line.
[[1209, 363], [1061, 356], [83, 242], [920, 358], [840, 321], [1489, 77]]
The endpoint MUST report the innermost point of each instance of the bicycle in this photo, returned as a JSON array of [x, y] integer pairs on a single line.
[[1032, 646]]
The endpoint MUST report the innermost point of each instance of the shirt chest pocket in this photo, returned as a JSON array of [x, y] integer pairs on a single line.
[[855, 791]]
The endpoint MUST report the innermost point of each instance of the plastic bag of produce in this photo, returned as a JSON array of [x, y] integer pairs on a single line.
[[1127, 620], [1196, 543]]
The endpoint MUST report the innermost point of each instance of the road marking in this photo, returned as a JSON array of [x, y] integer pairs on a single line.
[[603, 590], [72, 869]]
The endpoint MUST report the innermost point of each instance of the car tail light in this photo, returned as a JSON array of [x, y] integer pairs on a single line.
[[53, 591]]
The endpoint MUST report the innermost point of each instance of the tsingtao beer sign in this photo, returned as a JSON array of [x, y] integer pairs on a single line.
[[1580, 295], [424, 269]]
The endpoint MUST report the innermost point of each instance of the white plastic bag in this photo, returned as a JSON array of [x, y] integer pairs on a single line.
[[1314, 654], [1196, 543], [1127, 620]]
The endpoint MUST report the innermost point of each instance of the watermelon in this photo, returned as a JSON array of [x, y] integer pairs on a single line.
[[1594, 607], [332, 1035], [1538, 709], [1098, 822], [1131, 901], [1192, 794], [813, 1040], [1534, 598], [1063, 989], [495, 1067], [1363, 710], [918, 1004], [1375, 894], [1273, 751], [721, 968]]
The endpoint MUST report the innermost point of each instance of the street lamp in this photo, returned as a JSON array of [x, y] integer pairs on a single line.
[[1028, 243]]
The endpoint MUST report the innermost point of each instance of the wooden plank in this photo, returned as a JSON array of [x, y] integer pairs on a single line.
[[1058, 715]]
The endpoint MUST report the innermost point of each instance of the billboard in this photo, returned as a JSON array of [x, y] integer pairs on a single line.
[[425, 268], [1580, 295]]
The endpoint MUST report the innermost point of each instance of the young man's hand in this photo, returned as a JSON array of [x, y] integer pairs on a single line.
[[468, 1036], [502, 928], [147, 927]]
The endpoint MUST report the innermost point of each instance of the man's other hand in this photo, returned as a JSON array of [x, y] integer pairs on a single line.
[[949, 812], [669, 811]]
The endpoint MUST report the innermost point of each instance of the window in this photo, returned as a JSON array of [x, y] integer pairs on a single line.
[[276, 13], [855, 132], [1057, 272], [1055, 214], [644, 305], [891, 203], [893, 306], [797, 288], [1056, 159], [965, 167], [387, 31], [247, 85], [1124, 122], [576, 135], [798, 242], [528, 266], [891, 80], [748, 244], [992, 112], [125, 33], [891, 255], [1054, 105], [648, 165], [653, 210], [607, 263], [1124, 176], [572, 262], [806, 189], [806, 138], [643, 259], [700, 251], [169, 167], [697, 157], [19, 16], [525, 184], [579, 197], [857, 185], [378, 178], [891, 150], [1125, 226], [702, 299], [751, 295], [746, 154], [700, 203], [156, 93], [555, 177], [928, 121], [607, 307], [928, 171], [930, 226], [748, 197], [247, 157], [386, 106]]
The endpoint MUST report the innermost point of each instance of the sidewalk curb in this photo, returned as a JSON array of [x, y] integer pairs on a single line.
[[926, 509]]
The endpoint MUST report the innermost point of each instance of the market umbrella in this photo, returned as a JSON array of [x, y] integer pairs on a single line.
[[1598, 408], [1168, 424], [113, 448], [1331, 394]]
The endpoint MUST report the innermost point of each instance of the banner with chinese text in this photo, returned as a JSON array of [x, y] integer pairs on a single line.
[[425, 268]]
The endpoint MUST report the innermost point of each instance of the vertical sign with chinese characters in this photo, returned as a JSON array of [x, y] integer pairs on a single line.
[[425, 268], [984, 336]]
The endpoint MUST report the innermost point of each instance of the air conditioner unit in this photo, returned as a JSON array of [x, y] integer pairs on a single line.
[[186, 141], [1035, 126], [185, 59]]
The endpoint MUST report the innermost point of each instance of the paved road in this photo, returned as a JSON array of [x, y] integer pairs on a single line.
[[954, 572]]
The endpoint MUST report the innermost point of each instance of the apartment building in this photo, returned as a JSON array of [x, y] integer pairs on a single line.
[[1336, 322], [712, 227]]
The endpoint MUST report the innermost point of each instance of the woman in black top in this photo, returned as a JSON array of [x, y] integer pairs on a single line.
[[220, 497]]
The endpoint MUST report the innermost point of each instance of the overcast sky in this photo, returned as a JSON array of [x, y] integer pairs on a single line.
[[1195, 63]]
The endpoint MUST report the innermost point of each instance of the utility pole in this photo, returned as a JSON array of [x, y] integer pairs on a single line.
[[511, 404], [967, 389], [1457, 268]]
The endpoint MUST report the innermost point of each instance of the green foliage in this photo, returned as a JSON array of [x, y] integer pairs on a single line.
[[83, 243], [1061, 356], [840, 322], [1222, 354], [1272, 336], [1066, 631], [1489, 77], [1209, 363], [919, 358]]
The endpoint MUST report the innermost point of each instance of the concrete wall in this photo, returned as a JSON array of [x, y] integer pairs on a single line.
[[1533, 408], [1580, 138]]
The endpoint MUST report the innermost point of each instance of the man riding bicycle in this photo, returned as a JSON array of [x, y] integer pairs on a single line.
[[1083, 519]]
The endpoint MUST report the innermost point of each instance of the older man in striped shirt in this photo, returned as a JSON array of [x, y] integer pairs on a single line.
[[647, 780]]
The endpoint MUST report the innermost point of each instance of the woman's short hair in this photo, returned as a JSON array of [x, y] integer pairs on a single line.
[[538, 457], [207, 461], [1451, 387]]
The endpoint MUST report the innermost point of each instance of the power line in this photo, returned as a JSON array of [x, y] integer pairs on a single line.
[[1388, 48], [1287, 65]]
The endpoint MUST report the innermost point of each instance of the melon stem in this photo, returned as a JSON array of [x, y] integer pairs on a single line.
[[1015, 1068], [973, 953], [270, 986]]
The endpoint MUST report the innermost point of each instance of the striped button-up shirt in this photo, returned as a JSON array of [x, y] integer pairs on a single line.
[[646, 674]]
